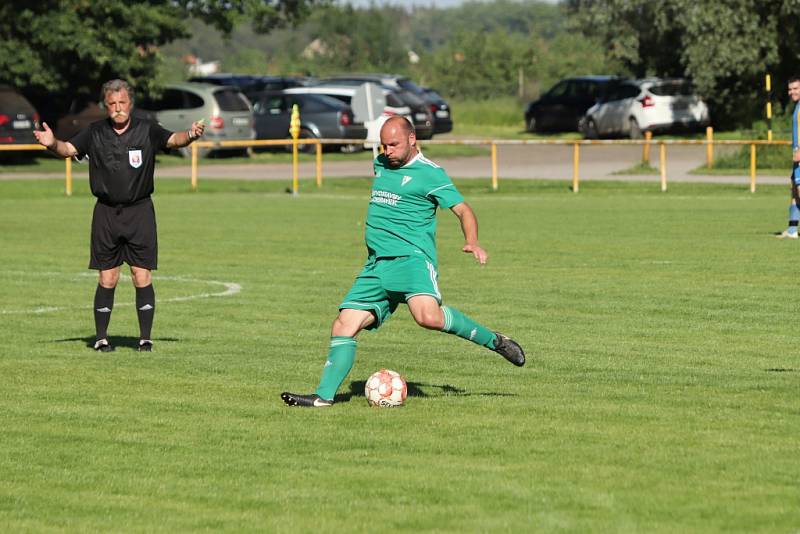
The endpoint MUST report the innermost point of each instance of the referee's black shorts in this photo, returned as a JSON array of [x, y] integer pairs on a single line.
[[124, 234]]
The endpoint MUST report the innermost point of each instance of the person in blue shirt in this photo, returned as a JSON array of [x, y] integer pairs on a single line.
[[794, 178]]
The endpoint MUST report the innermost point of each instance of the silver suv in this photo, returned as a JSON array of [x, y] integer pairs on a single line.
[[227, 112]]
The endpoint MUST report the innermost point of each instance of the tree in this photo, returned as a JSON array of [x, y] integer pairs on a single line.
[[67, 47], [726, 47]]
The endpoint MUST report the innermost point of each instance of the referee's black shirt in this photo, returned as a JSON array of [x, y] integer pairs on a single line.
[[121, 166]]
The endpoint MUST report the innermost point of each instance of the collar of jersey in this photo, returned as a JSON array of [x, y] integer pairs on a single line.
[[415, 158]]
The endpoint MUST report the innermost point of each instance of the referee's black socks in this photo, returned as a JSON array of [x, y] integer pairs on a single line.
[[103, 304], [145, 309]]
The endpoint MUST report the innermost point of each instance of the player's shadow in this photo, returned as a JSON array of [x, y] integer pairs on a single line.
[[420, 390], [128, 342]]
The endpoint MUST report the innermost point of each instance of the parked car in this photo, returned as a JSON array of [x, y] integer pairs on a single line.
[[83, 111], [18, 118], [409, 91], [394, 105], [250, 84], [562, 107], [651, 104], [226, 110], [321, 116], [440, 109]]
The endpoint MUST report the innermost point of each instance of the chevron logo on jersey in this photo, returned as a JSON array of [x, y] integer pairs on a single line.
[[406, 179]]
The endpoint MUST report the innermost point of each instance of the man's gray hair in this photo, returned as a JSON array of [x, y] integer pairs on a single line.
[[114, 86]]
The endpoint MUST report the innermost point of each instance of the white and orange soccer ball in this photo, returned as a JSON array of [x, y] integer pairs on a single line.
[[386, 389]]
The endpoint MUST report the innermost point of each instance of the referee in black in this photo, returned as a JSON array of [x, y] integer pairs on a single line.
[[121, 151]]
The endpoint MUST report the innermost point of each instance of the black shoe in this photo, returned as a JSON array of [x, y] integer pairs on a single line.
[[145, 345], [310, 401], [102, 345], [509, 349]]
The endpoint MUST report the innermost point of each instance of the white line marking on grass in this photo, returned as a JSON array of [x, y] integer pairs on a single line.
[[230, 288]]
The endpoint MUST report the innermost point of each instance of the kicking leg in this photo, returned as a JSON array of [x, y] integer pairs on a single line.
[[428, 314]]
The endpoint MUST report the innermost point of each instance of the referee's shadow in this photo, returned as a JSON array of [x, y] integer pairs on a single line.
[[420, 390], [124, 342]]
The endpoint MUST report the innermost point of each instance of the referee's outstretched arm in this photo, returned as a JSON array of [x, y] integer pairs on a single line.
[[47, 139], [182, 139]]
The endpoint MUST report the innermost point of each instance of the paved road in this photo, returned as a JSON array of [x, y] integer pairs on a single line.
[[514, 161]]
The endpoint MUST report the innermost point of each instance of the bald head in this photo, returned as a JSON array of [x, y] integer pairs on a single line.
[[399, 141]]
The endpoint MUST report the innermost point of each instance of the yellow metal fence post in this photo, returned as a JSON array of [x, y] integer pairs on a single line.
[[68, 171], [648, 136], [662, 164], [709, 147], [319, 163], [768, 86], [194, 166], [576, 157], [753, 168], [294, 129], [494, 167]]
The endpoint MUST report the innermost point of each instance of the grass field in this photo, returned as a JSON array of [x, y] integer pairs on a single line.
[[661, 393]]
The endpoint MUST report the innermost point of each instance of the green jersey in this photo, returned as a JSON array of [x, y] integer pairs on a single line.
[[401, 219]]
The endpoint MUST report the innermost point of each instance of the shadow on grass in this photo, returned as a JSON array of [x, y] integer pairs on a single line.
[[420, 390], [129, 342], [780, 370]]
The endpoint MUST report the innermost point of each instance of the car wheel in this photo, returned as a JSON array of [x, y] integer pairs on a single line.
[[590, 130], [532, 126], [633, 130], [186, 152], [307, 148], [351, 149]]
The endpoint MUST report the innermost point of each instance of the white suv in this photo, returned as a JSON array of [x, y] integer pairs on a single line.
[[652, 104]]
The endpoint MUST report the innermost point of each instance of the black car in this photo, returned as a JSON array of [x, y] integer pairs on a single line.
[[250, 84], [562, 107], [440, 109], [18, 118], [320, 117]]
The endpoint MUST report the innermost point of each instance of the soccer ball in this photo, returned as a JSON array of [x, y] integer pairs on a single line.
[[386, 389]]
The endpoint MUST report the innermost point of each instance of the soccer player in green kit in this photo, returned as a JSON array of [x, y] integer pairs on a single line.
[[401, 264]]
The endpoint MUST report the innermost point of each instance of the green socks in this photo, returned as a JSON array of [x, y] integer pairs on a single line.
[[459, 324], [341, 356]]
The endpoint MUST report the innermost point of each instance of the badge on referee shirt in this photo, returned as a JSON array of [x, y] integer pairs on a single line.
[[135, 158]]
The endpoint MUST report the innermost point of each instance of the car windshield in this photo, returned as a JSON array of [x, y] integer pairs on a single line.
[[231, 100], [674, 88], [317, 103], [407, 84]]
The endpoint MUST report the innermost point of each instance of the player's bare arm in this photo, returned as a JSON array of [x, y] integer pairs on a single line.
[[182, 139], [469, 227], [47, 139]]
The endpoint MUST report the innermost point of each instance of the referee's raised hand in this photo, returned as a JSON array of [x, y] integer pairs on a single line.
[[46, 137], [197, 129]]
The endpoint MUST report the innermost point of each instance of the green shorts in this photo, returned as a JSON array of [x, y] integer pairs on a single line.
[[386, 282]]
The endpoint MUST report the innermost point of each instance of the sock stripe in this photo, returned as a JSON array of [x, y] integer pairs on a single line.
[[342, 343], [448, 318]]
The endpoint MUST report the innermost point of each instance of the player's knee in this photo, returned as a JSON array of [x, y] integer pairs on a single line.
[[349, 324], [431, 319]]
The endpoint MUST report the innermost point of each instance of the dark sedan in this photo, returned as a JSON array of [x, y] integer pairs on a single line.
[[560, 108], [320, 117], [18, 118]]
